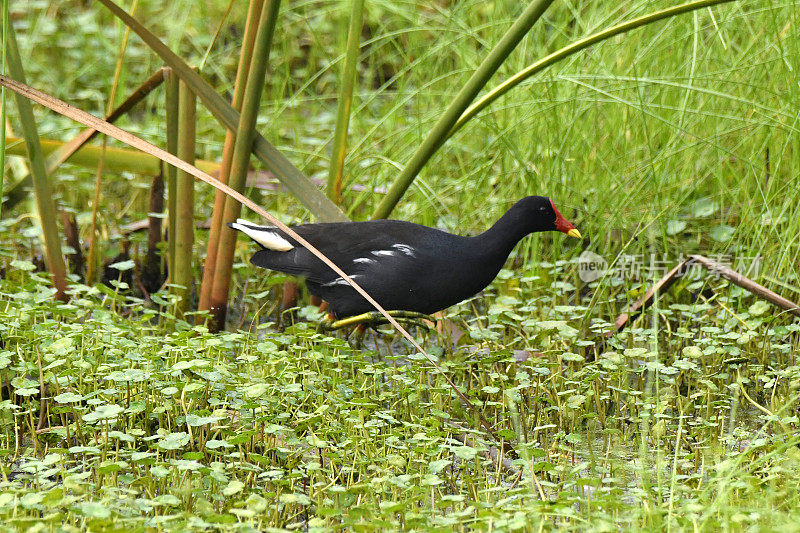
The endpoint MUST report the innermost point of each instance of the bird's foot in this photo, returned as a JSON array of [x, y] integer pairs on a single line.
[[374, 318]]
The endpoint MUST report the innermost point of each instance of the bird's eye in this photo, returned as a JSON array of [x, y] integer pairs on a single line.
[[543, 208]]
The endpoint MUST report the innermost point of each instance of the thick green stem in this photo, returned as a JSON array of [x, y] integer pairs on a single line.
[[184, 219], [240, 161], [41, 184], [438, 134], [336, 167], [575, 47], [117, 159]]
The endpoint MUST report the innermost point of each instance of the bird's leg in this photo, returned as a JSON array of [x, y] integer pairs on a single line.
[[360, 332], [374, 318], [326, 323]]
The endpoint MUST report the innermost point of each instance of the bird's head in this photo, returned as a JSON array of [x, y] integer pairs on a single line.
[[544, 216]]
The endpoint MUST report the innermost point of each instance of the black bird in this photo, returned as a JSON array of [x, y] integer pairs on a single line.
[[404, 266]]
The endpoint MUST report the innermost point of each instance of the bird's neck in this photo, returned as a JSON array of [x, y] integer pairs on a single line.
[[501, 238]]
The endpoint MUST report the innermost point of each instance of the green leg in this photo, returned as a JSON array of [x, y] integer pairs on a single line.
[[374, 318]]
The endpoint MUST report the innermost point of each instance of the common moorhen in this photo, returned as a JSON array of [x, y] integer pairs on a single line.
[[404, 266]]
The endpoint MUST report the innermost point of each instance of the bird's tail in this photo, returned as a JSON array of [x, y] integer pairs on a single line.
[[266, 236]]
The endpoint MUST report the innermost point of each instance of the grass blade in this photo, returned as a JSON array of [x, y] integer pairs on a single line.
[[41, 183], [345, 102], [294, 180], [438, 134]]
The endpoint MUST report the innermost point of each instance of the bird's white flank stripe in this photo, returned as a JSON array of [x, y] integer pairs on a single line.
[[405, 249], [365, 260], [379, 253], [339, 281], [266, 236]]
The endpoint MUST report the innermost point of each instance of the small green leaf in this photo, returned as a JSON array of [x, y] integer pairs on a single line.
[[174, 441], [123, 265], [759, 308], [465, 452], [437, 466], [256, 503], [68, 397], [722, 233], [704, 207], [301, 499], [103, 412], [575, 401], [234, 487], [95, 510], [256, 390], [167, 499], [316, 442], [214, 444], [675, 226], [25, 266]]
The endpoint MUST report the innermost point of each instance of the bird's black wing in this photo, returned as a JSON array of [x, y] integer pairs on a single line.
[[355, 247]]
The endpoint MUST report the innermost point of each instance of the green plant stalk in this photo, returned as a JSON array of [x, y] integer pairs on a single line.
[[294, 180], [438, 134], [65, 151], [240, 162], [184, 199], [573, 48], [172, 99], [41, 184], [336, 167], [117, 159], [245, 58], [91, 260]]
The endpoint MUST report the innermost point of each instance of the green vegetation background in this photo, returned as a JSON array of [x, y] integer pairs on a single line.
[[678, 138]]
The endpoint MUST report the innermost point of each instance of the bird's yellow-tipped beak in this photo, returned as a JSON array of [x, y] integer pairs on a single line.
[[574, 233]]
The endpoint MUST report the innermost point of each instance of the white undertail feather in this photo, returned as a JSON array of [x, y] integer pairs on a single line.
[[266, 236]]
